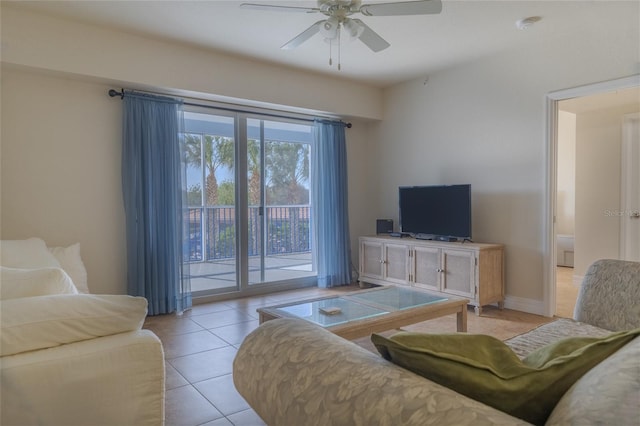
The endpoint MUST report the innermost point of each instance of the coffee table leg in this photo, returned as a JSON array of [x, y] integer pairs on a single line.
[[264, 317], [461, 317]]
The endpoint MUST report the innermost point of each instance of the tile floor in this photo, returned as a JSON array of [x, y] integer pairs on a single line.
[[201, 344], [199, 349]]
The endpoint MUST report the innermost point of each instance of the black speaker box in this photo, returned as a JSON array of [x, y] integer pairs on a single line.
[[384, 226]]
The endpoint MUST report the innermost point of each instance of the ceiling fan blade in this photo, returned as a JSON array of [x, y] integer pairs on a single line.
[[422, 7], [303, 36], [271, 7], [371, 38]]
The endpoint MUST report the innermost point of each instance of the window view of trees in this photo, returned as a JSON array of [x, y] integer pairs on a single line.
[[211, 153], [287, 171], [210, 159]]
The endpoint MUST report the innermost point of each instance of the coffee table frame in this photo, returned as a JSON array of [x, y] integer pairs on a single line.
[[389, 321]]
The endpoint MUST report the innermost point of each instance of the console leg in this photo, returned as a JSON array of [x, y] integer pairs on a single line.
[[501, 305], [478, 310]]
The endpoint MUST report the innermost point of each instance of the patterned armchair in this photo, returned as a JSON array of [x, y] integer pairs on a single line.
[[610, 295], [609, 300]]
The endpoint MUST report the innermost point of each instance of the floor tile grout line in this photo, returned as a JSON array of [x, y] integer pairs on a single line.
[[209, 401], [228, 325], [219, 337], [196, 353], [214, 405]]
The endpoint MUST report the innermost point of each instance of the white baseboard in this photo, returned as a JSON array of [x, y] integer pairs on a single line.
[[531, 306]]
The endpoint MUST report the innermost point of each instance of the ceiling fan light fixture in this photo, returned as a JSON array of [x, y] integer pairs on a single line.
[[329, 29], [352, 29]]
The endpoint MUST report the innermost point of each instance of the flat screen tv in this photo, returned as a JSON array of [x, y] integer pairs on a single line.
[[438, 212]]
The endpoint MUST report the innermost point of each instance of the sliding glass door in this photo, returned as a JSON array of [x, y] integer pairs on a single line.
[[248, 201]]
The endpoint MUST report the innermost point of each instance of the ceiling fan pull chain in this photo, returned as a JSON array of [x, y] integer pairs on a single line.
[[330, 54], [339, 43]]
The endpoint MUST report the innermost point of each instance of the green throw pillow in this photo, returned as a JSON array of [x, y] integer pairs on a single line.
[[487, 370]]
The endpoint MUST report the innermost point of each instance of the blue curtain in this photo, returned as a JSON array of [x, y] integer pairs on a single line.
[[153, 181], [330, 207]]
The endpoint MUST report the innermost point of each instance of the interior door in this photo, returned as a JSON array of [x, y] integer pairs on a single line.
[[630, 189]]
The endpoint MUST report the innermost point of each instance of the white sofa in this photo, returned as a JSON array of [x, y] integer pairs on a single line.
[[69, 357]]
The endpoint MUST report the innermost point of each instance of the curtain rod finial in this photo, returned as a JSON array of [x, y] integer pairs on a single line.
[[114, 93]]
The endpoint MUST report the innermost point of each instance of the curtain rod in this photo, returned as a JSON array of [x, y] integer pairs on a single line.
[[113, 93]]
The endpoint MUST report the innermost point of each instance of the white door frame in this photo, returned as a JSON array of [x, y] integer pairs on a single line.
[[551, 148]]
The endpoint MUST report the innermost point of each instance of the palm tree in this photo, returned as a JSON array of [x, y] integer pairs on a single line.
[[287, 168], [218, 152], [253, 166]]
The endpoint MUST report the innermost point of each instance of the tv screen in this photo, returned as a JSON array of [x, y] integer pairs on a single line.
[[439, 212]]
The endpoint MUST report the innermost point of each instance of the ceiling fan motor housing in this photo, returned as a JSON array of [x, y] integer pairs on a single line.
[[339, 8]]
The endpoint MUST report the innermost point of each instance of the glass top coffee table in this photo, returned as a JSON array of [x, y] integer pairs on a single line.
[[360, 313]]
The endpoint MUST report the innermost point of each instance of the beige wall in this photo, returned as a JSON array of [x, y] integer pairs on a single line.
[[60, 175], [65, 46], [566, 201], [483, 123], [60, 170], [598, 174]]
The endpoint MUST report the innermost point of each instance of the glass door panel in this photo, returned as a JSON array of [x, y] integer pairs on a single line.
[[279, 203], [211, 186]]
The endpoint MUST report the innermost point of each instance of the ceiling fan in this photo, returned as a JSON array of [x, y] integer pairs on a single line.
[[338, 19]]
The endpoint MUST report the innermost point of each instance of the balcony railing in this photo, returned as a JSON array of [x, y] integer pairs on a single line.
[[212, 232]]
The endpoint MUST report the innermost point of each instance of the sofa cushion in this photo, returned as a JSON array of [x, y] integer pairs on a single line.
[[31, 253], [484, 368], [70, 260], [16, 283], [608, 394], [46, 321]]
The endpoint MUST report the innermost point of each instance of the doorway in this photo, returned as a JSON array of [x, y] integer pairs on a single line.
[[586, 153]]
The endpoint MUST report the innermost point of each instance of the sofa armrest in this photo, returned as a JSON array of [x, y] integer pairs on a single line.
[[293, 372], [33, 323], [111, 380], [609, 297], [608, 394]]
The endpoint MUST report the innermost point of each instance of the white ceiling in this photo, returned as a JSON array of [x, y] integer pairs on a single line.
[[420, 45]]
